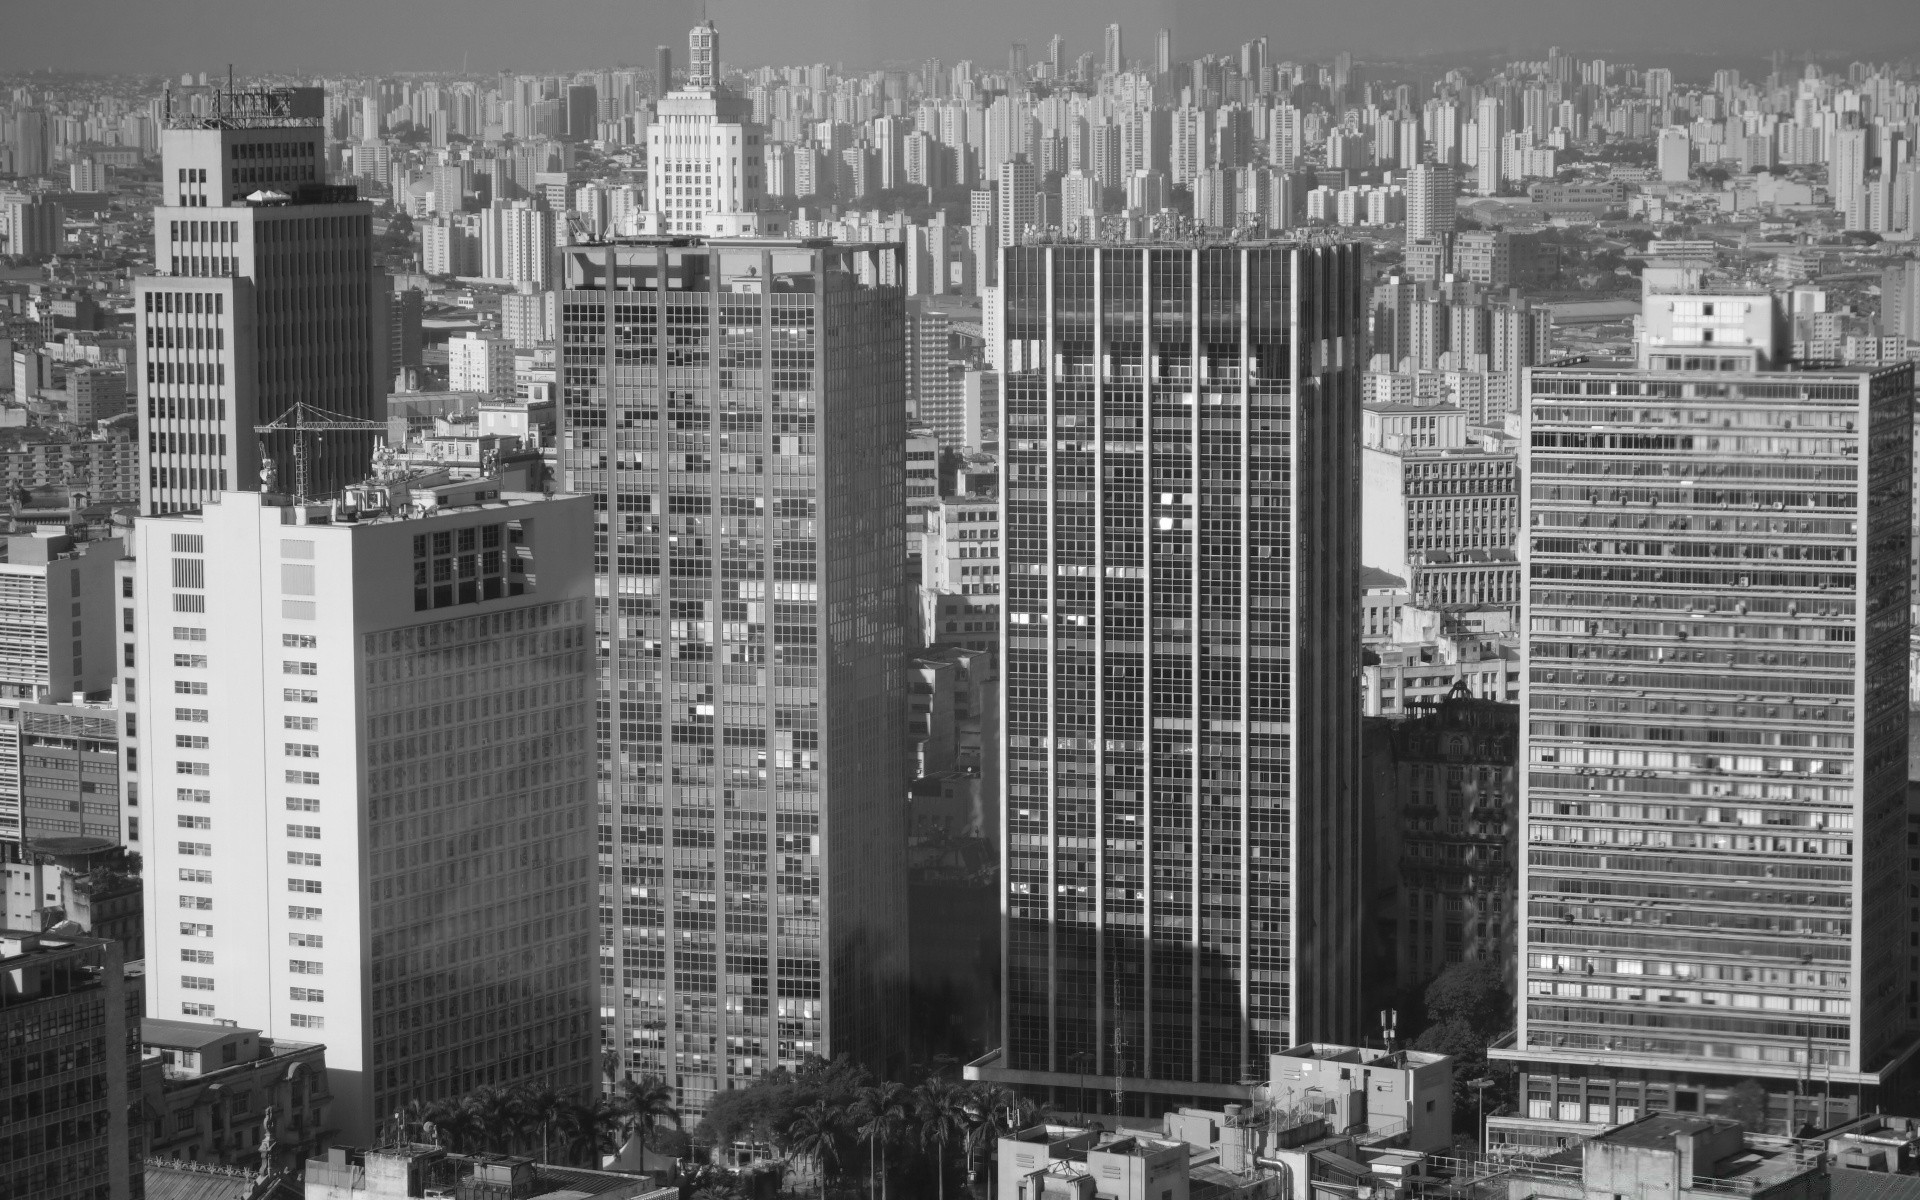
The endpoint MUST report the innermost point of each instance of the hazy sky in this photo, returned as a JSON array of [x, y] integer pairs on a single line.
[[347, 36]]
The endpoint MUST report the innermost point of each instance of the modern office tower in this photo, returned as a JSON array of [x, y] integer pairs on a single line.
[[1431, 212], [266, 295], [32, 226], [734, 408], [1115, 53], [583, 112], [1016, 201], [377, 817], [704, 152], [1487, 131], [662, 70], [1163, 52], [1183, 530], [1715, 619], [69, 1044]]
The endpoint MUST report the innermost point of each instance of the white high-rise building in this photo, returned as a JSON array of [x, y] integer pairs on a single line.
[[516, 243], [378, 818], [1016, 200], [1847, 176], [1116, 58], [1674, 154], [1487, 163], [480, 363], [704, 152], [1431, 211]]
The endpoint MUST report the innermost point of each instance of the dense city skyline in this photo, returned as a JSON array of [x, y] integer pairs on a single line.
[[488, 35]]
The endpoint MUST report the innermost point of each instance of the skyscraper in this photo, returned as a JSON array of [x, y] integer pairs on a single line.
[[1016, 199], [704, 153], [734, 408], [1163, 52], [379, 816], [265, 294], [1488, 150], [1182, 556], [1715, 614], [1116, 58]]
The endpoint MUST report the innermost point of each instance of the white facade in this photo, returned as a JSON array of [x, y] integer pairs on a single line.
[[370, 791], [480, 363], [704, 153]]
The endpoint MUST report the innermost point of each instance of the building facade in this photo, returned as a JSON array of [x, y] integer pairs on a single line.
[[374, 817], [1715, 612], [1182, 528], [734, 407]]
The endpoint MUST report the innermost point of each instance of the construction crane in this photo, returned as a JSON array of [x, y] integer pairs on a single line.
[[307, 422]]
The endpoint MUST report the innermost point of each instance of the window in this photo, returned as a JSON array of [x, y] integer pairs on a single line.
[[189, 929], [194, 1010], [299, 668], [300, 696], [190, 768], [311, 940], [303, 804], [199, 902], [189, 687], [196, 983], [306, 966], [189, 741], [197, 956], [307, 995], [195, 850], [303, 858], [307, 723], [307, 1021], [299, 641], [304, 831], [189, 660], [307, 778], [192, 716], [302, 750], [189, 633], [296, 913], [188, 543], [194, 795], [194, 875], [303, 885]]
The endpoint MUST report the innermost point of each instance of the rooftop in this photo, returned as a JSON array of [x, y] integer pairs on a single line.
[[187, 1035]]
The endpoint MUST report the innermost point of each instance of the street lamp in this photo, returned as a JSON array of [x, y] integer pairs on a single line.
[[1480, 1087]]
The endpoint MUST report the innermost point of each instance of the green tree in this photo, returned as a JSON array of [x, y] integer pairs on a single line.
[[536, 1110], [587, 1126]]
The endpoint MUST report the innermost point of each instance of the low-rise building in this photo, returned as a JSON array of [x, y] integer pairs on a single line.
[[1680, 1157], [410, 1171], [224, 1094]]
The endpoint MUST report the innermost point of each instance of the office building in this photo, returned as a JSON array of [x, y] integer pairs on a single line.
[[1180, 696], [1114, 50], [705, 154], [1441, 508], [59, 770], [56, 611], [377, 808], [104, 469], [962, 566], [734, 408], [69, 1036], [933, 375], [1016, 200], [30, 226], [1715, 626], [266, 295]]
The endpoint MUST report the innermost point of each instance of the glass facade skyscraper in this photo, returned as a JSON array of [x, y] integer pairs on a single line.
[[1182, 433], [1714, 742], [736, 409]]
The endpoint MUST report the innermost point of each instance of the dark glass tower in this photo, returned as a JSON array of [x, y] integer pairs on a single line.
[[1182, 432], [737, 411]]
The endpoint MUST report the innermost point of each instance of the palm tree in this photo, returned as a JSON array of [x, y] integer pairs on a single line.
[[644, 1104], [587, 1123], [880, 1113], [941, 1105], [535, 1109], [454, 1125], [814, 1133], [490, 1110]]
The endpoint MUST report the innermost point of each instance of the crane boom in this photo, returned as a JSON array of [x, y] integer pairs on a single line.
[[304, 421]]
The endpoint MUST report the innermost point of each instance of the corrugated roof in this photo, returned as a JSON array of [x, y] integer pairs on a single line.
[[1873, 1185]]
